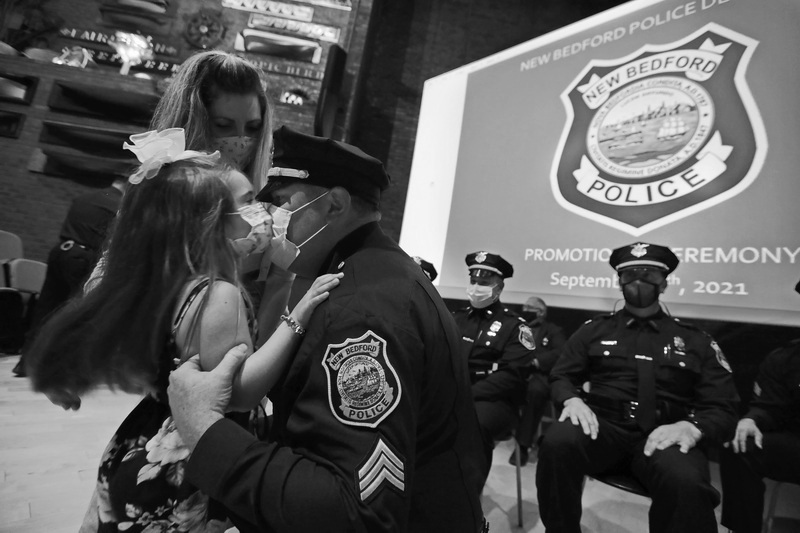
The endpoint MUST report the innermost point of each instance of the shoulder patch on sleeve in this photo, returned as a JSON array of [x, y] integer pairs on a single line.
[[526, 337], [363, 387], [721, 357], [383, 465]]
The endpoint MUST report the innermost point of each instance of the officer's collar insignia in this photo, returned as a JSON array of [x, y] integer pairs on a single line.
[[383, 467], [363, 387], [480, 257], [643, 145], [639, 249], [721, 357], [496, 325], [526, 337], [756, 389]]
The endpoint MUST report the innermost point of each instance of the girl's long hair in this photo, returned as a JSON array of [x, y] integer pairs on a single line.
[[170, 229], [201, 78]]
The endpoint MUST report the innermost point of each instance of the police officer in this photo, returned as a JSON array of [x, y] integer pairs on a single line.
[[767, 441], [71, 261], [373, 427], [499, 351], [660, 390], [548, 339]]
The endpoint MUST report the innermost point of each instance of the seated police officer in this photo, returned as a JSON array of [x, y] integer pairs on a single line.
[[660, 390], [767, 441], [497, 350], [548, 339]]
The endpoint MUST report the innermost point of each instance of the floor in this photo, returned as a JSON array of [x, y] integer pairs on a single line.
[[49, 457]]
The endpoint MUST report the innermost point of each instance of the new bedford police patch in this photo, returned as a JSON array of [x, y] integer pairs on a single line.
[[665, 132], [363, 388]]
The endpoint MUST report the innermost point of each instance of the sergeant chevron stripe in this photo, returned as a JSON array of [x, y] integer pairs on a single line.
[[382, 465]]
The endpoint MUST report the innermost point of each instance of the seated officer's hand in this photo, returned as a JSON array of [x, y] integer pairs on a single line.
[[745, 429], [580, 413], [682, 433]]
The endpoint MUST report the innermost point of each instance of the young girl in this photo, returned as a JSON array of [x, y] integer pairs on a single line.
[[169, 291]]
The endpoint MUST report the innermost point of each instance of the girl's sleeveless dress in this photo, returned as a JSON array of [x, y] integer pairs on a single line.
[[140, 484]]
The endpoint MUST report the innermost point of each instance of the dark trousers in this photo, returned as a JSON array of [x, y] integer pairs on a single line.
[[496, 420], [742, 478], [679, 484], [537, 397], [67, 271]]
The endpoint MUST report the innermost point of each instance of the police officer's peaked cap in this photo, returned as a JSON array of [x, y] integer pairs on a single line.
[[426, 267], [642, 254], [484, 264], [302, 158]]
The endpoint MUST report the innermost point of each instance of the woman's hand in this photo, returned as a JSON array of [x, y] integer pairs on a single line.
[[314, 296]]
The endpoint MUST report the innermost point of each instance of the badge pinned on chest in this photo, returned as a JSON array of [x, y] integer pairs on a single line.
[[721, 357], [363, 387], [526, 337]]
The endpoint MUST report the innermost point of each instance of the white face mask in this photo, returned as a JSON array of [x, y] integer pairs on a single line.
[[282, 251], [258, 239], [238, 150], [481, 296]]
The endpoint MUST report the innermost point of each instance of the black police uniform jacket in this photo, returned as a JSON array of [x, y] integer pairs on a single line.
[[548, 339], [374, 428], [498, 354], [776, 393], [693, 379]]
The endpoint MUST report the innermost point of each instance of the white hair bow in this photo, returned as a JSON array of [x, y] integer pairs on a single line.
[[155, 149]]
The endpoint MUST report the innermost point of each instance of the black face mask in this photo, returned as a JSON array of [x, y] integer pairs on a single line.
[[640, 293], [530, 316]]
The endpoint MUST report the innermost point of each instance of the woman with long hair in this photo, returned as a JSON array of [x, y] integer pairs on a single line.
[[170, 290], [221, 102]]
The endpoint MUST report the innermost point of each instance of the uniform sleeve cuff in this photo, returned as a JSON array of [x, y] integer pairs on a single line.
[[215, 454], [696, 424]]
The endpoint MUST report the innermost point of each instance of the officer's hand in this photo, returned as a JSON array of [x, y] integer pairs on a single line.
[[744, 429], [682, 433], [580, 413], [198, 399]]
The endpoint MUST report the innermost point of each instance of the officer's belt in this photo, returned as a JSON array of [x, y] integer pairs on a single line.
[[69, 243], [618, 410]]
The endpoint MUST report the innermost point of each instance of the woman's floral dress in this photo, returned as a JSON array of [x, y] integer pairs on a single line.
[[141, 485]]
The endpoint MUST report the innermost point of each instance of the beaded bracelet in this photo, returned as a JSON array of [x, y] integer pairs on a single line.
[[292, 323]]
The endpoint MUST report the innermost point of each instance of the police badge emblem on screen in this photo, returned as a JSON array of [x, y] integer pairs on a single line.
[[363, 387], [661, 134]]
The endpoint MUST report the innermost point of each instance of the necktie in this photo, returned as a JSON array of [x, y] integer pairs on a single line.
[[646, 409]]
